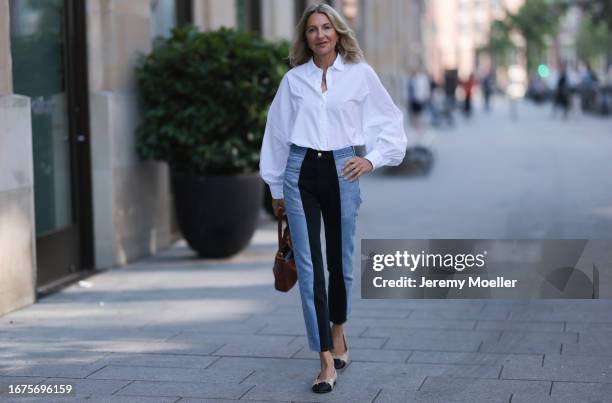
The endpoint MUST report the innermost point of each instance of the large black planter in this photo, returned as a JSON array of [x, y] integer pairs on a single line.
[[217, 214]]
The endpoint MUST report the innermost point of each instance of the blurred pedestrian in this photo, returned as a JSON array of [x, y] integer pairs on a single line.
[[441, 112], [606, 92], [486, 85], [308, 159], [562, 94], [418, 98], [573, 84], [468, 91], [589, 85], [451, 81]]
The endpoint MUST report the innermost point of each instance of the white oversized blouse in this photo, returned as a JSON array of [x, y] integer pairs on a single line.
[[355, 110]]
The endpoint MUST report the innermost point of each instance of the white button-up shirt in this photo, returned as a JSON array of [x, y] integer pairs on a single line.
[[355, 110]]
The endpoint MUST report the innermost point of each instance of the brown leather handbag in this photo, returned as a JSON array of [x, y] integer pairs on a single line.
[[285, 273]]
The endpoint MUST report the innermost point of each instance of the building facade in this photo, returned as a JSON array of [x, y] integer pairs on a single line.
[[455, 29], [390, 34]]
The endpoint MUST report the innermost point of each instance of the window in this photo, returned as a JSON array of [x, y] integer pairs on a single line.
[[163, 18], [249, 15]]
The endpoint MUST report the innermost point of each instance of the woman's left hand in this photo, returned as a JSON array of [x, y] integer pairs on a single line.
[[355, 167]]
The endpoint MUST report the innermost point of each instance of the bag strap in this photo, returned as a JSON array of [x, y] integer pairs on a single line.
[[280, 230]]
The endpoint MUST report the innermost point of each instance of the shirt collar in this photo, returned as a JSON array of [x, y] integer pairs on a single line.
[[338, 65]]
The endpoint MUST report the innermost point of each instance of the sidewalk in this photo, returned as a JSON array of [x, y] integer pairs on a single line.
[[172, 328]]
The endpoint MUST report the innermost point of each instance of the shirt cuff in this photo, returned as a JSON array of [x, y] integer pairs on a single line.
[[375, 158], [277, 191]]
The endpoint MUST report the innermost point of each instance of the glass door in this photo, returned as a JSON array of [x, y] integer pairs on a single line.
[[43, 69]]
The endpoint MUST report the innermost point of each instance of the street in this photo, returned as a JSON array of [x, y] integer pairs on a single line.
[[172, 327], [495, 177]]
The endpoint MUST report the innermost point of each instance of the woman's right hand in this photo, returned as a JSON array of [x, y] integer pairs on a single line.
[[278, 206]]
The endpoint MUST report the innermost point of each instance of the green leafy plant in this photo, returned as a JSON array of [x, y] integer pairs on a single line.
[[205, 96]]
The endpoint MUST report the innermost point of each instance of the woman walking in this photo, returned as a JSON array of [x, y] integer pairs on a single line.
[[329, 102]]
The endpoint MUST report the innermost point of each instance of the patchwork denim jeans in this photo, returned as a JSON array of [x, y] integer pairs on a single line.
[[315, 188]]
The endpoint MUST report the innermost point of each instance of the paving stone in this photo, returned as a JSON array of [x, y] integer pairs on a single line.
[[378, 313], [52, 370], [473, 314], [159, 360], [504, 306], [422, 339], [449, 357], [203, 347], [588, 350], [588, 327], [528, 342], [444, 389], [419, 304], [257, 350], [170, 374], [248, 346], [33, 333], [192, 400], [562, 368], [525, 398], [216, 390], [192, 337], [38, 357], [551, 315], [519, 326], [282, 365], [391, 395], [216, 327], [590, 343], [409, 323], [130, 399], [582, 392]]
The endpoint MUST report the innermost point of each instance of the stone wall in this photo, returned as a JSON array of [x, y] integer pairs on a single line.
[[131, 199], [213, 14], [17, 237]]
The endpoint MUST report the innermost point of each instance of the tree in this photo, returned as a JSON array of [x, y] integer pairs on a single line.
[[499, 43], [599, 10], [536, 21], [593, 40]]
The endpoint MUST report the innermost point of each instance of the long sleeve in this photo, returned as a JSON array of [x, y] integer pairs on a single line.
[[383, 124], [275, 145]]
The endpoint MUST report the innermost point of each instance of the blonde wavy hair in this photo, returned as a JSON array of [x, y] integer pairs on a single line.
[[347, 44]]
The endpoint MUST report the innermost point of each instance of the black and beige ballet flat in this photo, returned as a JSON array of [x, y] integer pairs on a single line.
[[341, 360], [324, 385]]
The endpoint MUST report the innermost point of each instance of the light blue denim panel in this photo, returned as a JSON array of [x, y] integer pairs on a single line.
[[301, 245], [350, 200]]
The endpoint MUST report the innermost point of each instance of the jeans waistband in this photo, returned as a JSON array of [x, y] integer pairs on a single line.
[[312, 153]]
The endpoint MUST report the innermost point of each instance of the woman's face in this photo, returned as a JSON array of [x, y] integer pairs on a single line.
[[320, 34]]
